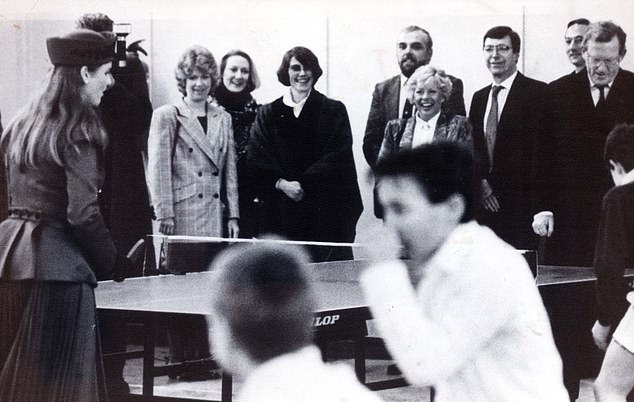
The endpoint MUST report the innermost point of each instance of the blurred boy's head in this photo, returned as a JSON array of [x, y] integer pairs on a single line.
[[425, 193], [619, 152], [263, 305]]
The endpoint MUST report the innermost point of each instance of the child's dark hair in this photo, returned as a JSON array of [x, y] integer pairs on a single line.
[[619, 146], [441, 168]]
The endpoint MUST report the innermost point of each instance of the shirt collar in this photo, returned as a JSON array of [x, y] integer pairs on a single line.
[[628, 178], [432, 122], [593, 85], [459, 242], [296, 106], [507, 82], [404, 80]]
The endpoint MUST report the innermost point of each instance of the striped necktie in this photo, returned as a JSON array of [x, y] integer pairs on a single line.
[[492, 123]]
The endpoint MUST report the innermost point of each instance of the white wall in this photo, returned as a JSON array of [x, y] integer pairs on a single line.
[[353, 39]]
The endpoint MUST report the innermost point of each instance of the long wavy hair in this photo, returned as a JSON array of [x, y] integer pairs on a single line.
[[57, 116]]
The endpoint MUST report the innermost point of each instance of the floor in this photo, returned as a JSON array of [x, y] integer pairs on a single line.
[[210, 390]]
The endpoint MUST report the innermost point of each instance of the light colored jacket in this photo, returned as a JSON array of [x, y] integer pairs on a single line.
[[192, 175]]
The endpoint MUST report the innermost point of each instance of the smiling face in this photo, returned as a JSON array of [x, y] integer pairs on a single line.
[[301, 79], [428, 98], [236, 74], [499, 58], [412, 51], [603, 60], [96, 82], [197, 86], [574, 44]]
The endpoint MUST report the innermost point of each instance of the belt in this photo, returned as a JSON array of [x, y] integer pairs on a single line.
[[34, 216], [26, 214]]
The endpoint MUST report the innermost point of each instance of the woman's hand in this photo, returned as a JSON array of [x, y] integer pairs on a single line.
[[234, 229], [166, 226], [292, 189]]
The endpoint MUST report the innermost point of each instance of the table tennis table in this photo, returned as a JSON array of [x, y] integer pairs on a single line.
[[341, 312]]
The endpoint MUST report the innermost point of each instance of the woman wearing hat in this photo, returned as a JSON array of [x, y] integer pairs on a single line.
[[54, 242]]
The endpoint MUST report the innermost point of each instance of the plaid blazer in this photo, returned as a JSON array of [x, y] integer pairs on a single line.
[[399, 133], [192, 174]]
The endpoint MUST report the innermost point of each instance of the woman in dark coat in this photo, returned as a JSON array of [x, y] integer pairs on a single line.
[[300, 155], [55, 243], [238, 79]]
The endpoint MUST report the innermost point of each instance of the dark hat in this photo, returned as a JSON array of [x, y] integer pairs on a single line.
[[81, 47]]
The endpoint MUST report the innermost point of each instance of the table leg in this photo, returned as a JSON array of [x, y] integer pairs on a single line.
[[359, 358], [226, 387], [148, 357]]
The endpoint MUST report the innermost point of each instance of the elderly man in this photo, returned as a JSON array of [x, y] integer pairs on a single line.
[[579, 114], [505, 118], [574, 42], [389, 100], [571, 177]]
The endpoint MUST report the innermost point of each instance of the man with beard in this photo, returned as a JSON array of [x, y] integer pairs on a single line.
[[389, 100]]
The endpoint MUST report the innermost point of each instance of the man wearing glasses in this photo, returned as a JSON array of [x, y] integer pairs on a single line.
[[579, 114], [505, 119], [571, 177]]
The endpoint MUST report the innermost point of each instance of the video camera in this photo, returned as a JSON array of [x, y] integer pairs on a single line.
[[121, 30]]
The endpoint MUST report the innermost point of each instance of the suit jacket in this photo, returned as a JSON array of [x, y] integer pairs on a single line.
[[570, 170], [57, 219], [4, 197], [509, 173], [192, 175], [124, 198], [399, 133]]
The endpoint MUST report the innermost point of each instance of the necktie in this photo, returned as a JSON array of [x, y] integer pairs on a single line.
[[601, 101], [407, 109], [492, 123]]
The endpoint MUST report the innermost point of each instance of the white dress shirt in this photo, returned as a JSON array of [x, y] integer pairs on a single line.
[[303, 376], [596, 92], [287, 99], [402, 95], [475, 327], [502, 95], [424, 130]]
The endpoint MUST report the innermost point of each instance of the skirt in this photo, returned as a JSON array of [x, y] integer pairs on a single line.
[[49, 346]]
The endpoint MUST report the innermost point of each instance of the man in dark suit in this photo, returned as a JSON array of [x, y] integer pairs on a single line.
[[505, 119], [573, 37], [580, 110], [126, 112], [389, 100]]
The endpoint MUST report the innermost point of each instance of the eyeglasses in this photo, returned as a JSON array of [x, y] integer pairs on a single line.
[[297, 68], [498, 48], [609, 63]]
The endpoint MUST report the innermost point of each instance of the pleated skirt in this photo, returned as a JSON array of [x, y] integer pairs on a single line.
[[49, 347]]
